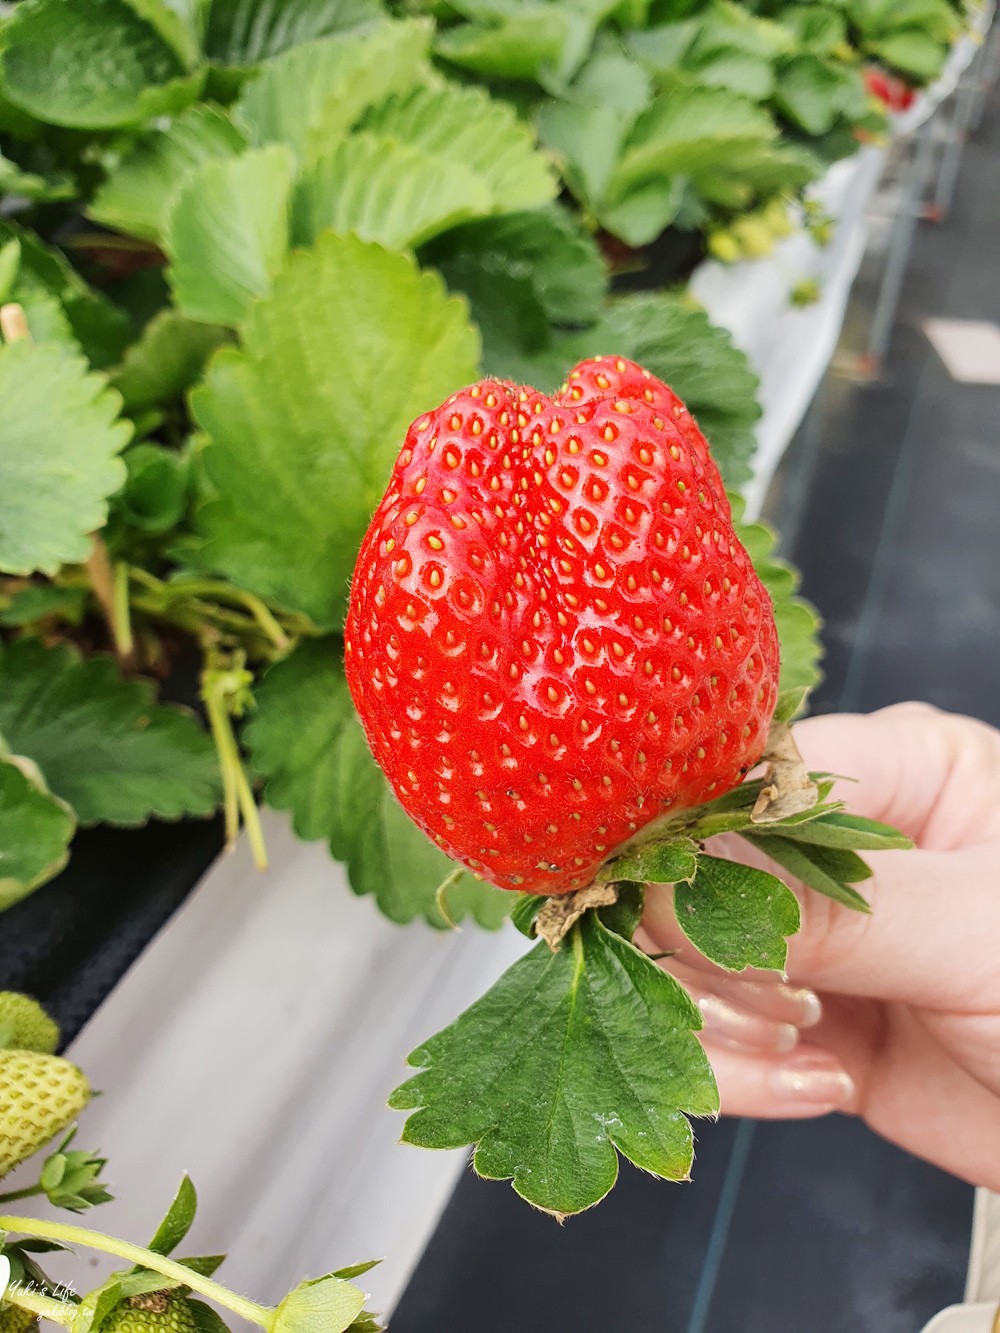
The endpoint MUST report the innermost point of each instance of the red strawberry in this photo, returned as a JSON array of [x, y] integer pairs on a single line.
[[892, 91], [554, 634], [615, 377]]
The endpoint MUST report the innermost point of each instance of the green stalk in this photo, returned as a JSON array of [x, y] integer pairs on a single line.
[[28, 1192], [238, 797], [46, 1307], [121, 627], [135, 1254]]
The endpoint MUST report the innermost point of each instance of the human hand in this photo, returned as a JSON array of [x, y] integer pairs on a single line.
[[894, 1017]]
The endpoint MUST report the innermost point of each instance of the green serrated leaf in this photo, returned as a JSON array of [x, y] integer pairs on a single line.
[[809, 866], [177, 1220], [467, 126], [798, 622], [547, 250], [530, 41], [137, 195], [323, 1305], [227, 233], [245, 32], [59, 442], [35, 832], [305, 740], [94, 64], [304, 423], [385, 191], [737, 916], [105, 747], [307, 97], [570, 1056], [657, 863], [168, 357]]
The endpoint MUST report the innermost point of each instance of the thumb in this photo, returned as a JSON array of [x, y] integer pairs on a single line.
[[933, 775], [936, 911]]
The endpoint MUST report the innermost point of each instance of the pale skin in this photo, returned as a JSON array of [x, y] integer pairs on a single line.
[[893, 1017]]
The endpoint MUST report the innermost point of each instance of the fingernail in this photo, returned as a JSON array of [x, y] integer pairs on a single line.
[[808, 1004], [815, 1079], [739, 1028]]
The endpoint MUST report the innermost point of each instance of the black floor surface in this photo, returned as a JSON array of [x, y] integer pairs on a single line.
[[819, 1225]]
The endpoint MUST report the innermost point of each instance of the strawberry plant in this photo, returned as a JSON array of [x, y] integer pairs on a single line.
[[566, 664], [40, 1093]]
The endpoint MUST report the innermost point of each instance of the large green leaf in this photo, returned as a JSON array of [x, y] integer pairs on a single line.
[[570, 1056], [306, 742], [59, 446], [548, 249], [227, 233], [465, 125], [167, 358], [35, 831], [797, 620], [308, 96], [529, 40], [385, 191], [137, 195], [244, 32], [690, 130], [92, 64], [102, 743], [304, 423], [737, 916]]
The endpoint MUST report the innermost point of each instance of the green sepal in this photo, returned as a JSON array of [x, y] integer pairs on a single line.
[[812, 866], [666, 862], [178, 1219], [737, 916], [623, 917], [791, 703], [322, 1305], [206, 1318], [97, 1305], [525, 911]]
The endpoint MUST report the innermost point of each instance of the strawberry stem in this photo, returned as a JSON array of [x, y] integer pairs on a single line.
[[225, 689], [35, 1302], [28, 1192], [136, 1254]]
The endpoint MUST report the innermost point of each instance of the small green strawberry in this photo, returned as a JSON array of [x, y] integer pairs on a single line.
[[24, 1024], [152, 1312], [39, 1096], [15, 1320], [723, 246]]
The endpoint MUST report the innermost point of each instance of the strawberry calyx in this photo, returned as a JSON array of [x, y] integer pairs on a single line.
[[587, 1030]]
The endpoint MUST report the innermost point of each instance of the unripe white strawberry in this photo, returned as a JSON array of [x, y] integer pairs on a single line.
[[39, 1096]]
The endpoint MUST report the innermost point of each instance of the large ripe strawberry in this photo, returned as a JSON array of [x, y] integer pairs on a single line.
[[616, 377], [39, 1096], [554, 635]]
